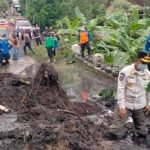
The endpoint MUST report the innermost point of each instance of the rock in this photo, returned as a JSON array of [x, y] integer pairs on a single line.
[[108, 70], [56, 130], [115, 73], [98, 65], [98, 58], [76, 49]]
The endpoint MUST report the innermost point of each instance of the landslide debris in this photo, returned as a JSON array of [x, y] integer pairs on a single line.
[[48, 120]]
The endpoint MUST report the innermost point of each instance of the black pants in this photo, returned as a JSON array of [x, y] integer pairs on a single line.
[[38, 41], [29, 47], [5, 57], [83, 46], [51, 53], [139, 120]]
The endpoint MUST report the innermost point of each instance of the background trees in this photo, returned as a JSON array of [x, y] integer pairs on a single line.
[[117, 27], [3, 6], [47, 12]]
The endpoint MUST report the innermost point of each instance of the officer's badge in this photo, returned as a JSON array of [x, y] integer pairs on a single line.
[[122, 76]]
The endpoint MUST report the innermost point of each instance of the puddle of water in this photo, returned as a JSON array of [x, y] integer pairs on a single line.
[[29, 72], [76, 78], [17, 66]]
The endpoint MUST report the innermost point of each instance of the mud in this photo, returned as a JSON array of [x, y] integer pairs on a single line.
[[47, 120]]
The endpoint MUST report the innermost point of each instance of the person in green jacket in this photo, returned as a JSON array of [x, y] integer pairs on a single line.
[[49, 45]]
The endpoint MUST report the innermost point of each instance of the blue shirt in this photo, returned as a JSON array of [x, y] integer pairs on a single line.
[[5, 46], [147, 45]]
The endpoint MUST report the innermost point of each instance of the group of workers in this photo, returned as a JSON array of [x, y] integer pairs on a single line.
[[29, 38], [7, 44]]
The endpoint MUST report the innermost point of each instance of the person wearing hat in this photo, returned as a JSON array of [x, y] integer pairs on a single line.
[[84, 39], [132, 99], [49, 45]]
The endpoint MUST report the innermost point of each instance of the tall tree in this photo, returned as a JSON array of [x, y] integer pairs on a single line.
[[3, 6]]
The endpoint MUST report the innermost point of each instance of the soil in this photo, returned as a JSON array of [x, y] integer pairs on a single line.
[[47, 119]]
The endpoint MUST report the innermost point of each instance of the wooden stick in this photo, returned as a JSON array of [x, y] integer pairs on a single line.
[[70, 112]]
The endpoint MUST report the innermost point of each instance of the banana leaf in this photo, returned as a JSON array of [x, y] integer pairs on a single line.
[[93, 22], [125, 44], [80, 16], [120, 59], [75, 23], [67, 22], [143, 32]]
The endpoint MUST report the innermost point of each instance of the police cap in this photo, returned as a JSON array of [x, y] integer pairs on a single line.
[[144, 56]]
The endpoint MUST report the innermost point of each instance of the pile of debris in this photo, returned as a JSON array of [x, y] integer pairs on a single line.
[[50, 120], [47, 120]]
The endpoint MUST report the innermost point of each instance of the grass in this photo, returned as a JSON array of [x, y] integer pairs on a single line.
[[40, 54]]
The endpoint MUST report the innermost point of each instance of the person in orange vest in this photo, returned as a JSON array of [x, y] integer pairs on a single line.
[[84, 39], [15, 42]]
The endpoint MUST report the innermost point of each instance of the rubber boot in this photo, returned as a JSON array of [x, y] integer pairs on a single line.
[[139, 139], [116, 136]]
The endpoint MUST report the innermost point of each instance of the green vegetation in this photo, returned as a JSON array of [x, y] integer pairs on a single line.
[[3, 6], [120, 36], [107, 93], [40, 54], [119, 31], [47, 12]]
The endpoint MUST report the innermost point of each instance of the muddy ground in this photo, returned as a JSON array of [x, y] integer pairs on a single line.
[[47, 120]]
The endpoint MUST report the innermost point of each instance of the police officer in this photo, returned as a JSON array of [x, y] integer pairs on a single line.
[[133, 98]]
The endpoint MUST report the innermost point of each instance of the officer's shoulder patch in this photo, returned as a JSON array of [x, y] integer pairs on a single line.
[[122, 76]]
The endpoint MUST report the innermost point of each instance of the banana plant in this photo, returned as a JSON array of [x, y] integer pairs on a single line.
[[70, 27], [119, 39], [120, 58], [90, 24], [80, 16]]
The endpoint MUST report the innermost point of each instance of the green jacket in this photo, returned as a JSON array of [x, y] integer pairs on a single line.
[[49, 42]]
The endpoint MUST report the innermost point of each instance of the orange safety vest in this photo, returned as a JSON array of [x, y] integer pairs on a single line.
[[84, 37], [14, 41]]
